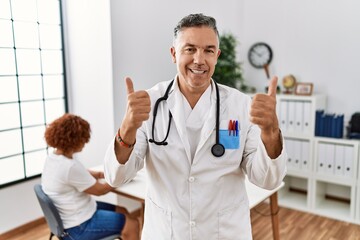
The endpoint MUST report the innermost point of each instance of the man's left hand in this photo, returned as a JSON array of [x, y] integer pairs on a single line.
[[263, 113]]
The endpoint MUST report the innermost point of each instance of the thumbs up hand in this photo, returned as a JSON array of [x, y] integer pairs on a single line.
[[263, 113], [138, 108]]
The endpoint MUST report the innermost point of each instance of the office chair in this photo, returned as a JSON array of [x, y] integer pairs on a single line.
[[52, 216]]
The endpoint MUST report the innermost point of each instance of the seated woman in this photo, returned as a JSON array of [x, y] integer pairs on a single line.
[[70, 186]]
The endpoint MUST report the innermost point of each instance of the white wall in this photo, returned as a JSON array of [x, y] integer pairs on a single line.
[[317, 41], [89, 65], [142, 37], [89, 70]]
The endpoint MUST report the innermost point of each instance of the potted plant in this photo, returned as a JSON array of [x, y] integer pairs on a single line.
[[228, 70]]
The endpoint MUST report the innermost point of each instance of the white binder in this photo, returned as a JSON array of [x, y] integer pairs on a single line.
[[305, 155], [348, 161], [283, 115], [297, 154], [299, 115], [307, 118], [290, 151], [339, 160], [321, 159], [330, 159], [291, 116]]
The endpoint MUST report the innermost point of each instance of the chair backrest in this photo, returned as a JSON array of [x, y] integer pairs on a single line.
[[50, 212], [52, 215]]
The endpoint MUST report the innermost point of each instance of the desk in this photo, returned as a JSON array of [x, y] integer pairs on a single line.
[[136, 189]]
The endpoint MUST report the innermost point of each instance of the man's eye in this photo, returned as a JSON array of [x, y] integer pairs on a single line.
[[210, 51], [189, 50]]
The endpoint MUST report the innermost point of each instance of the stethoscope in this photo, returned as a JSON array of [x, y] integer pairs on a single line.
[[217, 149]]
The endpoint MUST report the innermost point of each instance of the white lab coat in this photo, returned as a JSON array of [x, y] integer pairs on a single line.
[[204, 197]]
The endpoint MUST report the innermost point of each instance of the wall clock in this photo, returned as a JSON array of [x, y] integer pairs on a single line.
[[260, 55]]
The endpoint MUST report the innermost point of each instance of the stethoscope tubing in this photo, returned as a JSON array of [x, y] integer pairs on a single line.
[[217, 149]]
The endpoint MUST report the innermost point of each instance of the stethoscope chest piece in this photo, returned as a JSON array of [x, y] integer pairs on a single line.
[[218, 150]]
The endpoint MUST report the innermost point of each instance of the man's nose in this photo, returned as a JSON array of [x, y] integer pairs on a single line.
[[199, 57]]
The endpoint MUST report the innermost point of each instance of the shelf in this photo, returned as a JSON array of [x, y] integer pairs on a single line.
[[293, 200], [335, 179], [323, 174], [334, 209], [343, 141], [357, 206], [295, 193], [301, 98], [335, 200], [298, 173], [297, 135]]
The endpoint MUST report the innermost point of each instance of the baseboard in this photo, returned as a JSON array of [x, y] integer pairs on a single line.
[[22, 228]]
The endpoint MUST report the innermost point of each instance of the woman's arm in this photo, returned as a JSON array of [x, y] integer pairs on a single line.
[[96, 174], [99, 188]]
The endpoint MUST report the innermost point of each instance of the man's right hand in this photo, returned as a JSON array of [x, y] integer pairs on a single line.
[[138, 109]]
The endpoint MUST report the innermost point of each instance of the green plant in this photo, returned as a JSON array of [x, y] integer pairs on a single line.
[[228, 71]]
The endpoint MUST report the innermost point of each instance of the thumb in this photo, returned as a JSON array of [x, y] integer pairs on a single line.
[[129, 85], [272, 86]]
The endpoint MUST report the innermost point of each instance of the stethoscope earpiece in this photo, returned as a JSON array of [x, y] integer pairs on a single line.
[[217, 150]]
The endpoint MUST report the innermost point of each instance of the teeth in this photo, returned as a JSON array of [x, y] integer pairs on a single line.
[[197, 71]]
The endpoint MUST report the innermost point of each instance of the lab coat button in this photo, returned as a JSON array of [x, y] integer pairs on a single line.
[[192, 223], [191, 179]]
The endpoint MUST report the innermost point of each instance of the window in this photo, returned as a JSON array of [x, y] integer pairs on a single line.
[[32, 84]]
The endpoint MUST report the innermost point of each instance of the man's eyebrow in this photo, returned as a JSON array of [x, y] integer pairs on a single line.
[[206, 47], [211, 46]]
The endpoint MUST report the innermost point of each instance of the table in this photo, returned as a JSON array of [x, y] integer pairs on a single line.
[[136, 190]]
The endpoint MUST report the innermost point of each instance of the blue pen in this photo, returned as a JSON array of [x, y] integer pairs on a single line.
[[237, 127]]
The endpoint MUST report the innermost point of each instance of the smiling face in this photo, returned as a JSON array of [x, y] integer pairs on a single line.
[[195, 52]]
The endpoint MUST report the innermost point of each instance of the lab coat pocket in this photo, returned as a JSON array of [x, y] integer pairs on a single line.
[[229, 140], [235, 221], [162, 227]]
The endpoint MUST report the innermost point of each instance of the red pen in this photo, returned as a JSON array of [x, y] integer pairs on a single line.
[[230, 127]]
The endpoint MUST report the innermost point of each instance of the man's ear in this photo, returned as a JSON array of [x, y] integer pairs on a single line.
[[219, 52], [173, 54]]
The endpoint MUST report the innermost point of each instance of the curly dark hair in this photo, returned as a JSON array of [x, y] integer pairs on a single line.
[[68, 133]]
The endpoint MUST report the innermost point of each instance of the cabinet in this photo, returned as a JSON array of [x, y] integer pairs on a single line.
[[322, 176]]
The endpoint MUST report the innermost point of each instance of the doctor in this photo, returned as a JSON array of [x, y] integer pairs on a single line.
[[197, 139]]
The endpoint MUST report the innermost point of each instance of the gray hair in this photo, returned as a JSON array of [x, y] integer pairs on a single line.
[[195, 20]]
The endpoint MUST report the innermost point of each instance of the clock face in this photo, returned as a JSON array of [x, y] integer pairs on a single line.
[[260, 54]]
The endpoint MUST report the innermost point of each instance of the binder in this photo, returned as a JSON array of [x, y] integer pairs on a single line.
[[299, 116], [328, 124], [307, 117], [283, 116], [305, 155], [318, 123], [290, 151], [322, 125], [330, 159], [333, 130], [348, 160], [339, 160], [321, 158], [291, 116], [297, 154], [339, 126]]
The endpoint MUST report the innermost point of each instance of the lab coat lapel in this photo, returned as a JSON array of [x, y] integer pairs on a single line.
[[176, 108], [210, 124]]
